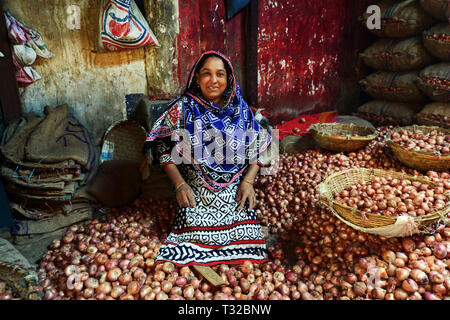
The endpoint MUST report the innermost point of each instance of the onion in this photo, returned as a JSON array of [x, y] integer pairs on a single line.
[[378, 293], [400, 294], [409, 285], [188, 292], [402, 274], [419, 276], [440, 250], [104, 288], [114, 274], [431, 296], [161, 296], [133, 288], [388, 256], [439, 289], [117, 291]]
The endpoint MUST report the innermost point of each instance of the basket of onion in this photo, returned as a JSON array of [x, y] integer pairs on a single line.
[[387, 203], [421, 147], [342, 136]]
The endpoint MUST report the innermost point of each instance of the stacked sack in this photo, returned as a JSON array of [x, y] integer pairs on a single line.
[[398, 56], [45, 162], [435, 79]]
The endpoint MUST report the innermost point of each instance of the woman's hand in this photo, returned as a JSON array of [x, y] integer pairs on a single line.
[[246, 192], [185, 196]]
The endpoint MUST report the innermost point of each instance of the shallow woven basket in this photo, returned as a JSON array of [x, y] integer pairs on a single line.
[[126, 138], [417, 159], [339, 181], [338, 136], [22, 282]]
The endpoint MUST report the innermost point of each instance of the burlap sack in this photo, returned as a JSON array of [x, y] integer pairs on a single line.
[[34, 177], [397, 55], [64, 137], [435, 43], [401, 19], [16, 135], [29, 191], [437, 108], [440, 90], [438, 9], [400, 113], [435, 114], [58, 221], [117, 183], [393, 86]]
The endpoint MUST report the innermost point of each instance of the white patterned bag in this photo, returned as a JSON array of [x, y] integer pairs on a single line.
[[123, 27]]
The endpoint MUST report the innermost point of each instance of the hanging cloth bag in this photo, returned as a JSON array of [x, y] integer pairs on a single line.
[[123, 27]]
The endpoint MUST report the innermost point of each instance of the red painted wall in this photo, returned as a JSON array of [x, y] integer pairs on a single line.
[[307, 50]]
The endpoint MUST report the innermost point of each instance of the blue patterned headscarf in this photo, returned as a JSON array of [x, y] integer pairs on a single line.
[[233, 126]]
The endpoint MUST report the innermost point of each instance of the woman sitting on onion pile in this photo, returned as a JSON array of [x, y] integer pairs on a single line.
[[216, 221]]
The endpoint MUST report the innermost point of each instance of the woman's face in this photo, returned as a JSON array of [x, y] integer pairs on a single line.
[[212, 79]]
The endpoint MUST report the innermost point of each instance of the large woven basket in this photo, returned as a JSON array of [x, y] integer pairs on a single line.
[[338, 136], [417, 159], [124, 140], [339, 181], [22, 282]]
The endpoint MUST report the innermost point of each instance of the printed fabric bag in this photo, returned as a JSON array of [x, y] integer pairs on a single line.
[[123, 27]]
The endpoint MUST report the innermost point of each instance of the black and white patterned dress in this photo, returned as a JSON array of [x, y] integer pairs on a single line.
[[215, 231]]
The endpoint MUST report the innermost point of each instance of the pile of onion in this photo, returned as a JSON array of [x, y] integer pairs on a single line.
[[317, 256], [115, 259], [435, 141]]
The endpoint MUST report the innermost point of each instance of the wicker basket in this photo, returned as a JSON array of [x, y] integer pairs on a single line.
[[338, 136], [124, 140], [22, 282], [417, 159], [339, 181]]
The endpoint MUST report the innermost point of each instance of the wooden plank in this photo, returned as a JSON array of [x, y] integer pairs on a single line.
[[210, 275], [9, 92]]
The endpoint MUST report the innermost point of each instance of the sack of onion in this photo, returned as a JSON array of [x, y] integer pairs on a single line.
[[434, 81], [437, 41], [382, 113], [393, 86], [385, 203], [421, 147], [397, 54], [401, 19], [435, 114]]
